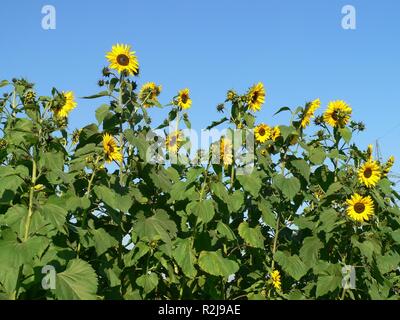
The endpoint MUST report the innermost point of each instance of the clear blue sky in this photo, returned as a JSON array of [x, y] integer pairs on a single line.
[[298, 49]]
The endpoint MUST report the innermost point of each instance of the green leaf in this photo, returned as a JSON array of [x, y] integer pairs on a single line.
[[185, 257], [77, 282], [97, 95], [220, 191], [310, 249], [158, 226], [148, 282], [101, 112], [388, 262], [302, 167], [286, 131], [333, 188], [235, 201], [217, 123], [396, 235], [346, 134], [8, 280], [14, 253], [268, 215], [102, 240], [288, 186], [113, 199], [204, 210], [4, 83], [317, 155], [252, 236], [328, 220], [282, 109], [291, 264], [225, 231], [250, 183], [327, 283], [215, 264]]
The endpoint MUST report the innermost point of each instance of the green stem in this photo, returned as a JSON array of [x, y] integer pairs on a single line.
[[275, 243], [31, 194], [89, 189], [121, 137]]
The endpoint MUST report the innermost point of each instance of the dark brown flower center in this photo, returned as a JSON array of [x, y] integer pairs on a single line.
[[335, 115], [123, 60], [359, 207], [110, 148], [184, 97], [367, 173], [261, 131], [254, 98]]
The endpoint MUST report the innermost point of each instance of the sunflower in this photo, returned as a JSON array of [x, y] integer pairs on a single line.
[[276, 280], [388, 166], [121, 58], [338, 113], [174, 141], [256, 97], [369, 174], [360, 208], [225, 151], [111, 149], [275, 133], [309, 112], [262, 132], [67, 104], [183, 99], [148, 94]]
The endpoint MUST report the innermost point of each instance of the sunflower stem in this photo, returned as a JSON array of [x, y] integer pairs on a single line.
[[31, 193]]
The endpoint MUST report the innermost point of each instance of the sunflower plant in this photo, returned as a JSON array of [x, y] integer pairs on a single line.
[[84, 214]]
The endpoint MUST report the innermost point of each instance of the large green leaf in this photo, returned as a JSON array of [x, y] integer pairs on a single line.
[[77, 282], [291, 264], [148, 282], [252, 236], [327, 283], [157, 226], [101, 112], [250, 183], [204, 210], [185, 257], [113, 199], [288, 186], [214, 263], [302, 167], [310, 249], [317, 155], [268, 215], [102, 240], [54, 211], [14, 253]]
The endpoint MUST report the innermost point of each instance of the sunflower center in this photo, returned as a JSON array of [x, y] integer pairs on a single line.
[[367, 173], [335, 115], [184, 97], [254, 98], [359, 207], [123, 59], [261, 131], [111, 148]]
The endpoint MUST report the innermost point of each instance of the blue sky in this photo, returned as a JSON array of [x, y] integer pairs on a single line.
[[298, 49]]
